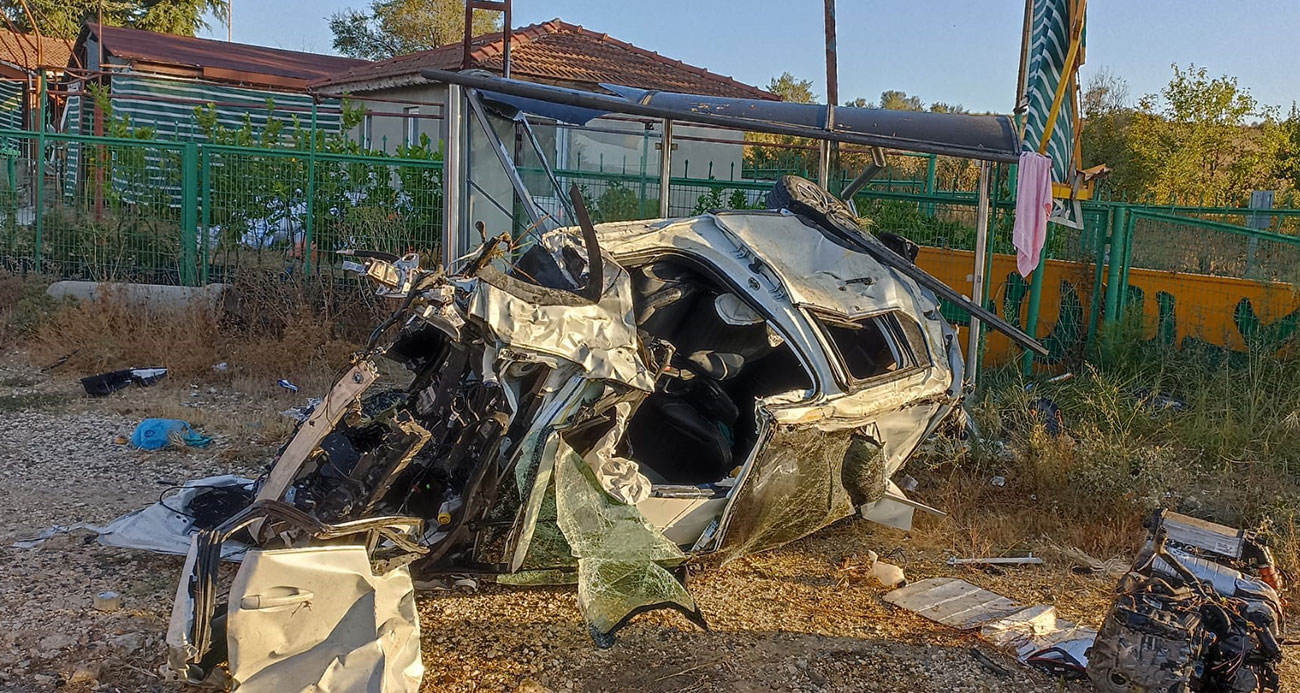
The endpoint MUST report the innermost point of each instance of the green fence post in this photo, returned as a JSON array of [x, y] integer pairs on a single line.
[[1127, 262], [205, 209], [189, 214], [1035, 298], [11, 202], [309, 222], [38, 250], [1115, 262], [930, 172], [1100, 239]]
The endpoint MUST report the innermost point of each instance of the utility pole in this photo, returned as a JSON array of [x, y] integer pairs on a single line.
[[230, 21], [832, 96], [502, 6]]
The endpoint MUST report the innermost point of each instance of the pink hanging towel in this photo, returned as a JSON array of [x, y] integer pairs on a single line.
[[1033, 205]]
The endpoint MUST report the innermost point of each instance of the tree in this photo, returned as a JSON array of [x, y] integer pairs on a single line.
[[859, 103], [941, 107], [791, 89], [1205, 140], [64, 18], [1107, 117], [768, 154], [399, 27], [1106, 94], [1290, 165], [895, 100]]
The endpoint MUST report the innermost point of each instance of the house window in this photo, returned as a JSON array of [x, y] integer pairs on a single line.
[[368, 132], [412, 125]]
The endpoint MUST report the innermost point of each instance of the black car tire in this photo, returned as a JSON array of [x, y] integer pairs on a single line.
[[805, 198]]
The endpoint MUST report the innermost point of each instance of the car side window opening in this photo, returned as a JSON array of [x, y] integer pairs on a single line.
[[875, 346]]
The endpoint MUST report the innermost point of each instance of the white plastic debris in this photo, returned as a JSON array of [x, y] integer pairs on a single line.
[[107, 601], [887, 574]]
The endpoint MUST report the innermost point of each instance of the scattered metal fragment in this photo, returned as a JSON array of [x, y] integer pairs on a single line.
[[112, 381], [1032, 633], [988, 664], [1199, 611], [1031, 559]]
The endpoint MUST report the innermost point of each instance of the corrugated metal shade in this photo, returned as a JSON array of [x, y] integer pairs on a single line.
[[982, 137]]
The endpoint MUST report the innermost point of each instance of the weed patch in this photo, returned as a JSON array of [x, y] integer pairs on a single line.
[[31, 400], [1213, 437]]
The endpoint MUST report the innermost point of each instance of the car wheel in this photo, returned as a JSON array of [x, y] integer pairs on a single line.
[[806, 198]]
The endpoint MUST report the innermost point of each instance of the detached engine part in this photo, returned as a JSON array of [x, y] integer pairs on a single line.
[[1199, 611]]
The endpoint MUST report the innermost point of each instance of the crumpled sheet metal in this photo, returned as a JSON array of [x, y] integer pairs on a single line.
[[793, 488], [157, 527], [600, 337], [535, 461], [619, 553], [338, 629], [1025, 631]]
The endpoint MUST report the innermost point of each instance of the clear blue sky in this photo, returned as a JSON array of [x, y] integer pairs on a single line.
[[958, 51]]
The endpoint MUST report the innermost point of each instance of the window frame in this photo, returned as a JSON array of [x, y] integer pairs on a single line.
[[411, 133], [910, 358]]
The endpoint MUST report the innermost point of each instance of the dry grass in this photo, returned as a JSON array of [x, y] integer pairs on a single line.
[[268, 329], [1207, 435]]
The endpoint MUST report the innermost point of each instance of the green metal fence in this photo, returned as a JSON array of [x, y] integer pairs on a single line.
[[176, 212], [170, 212]]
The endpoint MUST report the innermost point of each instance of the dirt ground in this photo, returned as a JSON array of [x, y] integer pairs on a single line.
[[788, 620]]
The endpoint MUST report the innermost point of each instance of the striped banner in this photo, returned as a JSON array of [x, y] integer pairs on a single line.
[[11, 110], [167, 105], [1049, 43]]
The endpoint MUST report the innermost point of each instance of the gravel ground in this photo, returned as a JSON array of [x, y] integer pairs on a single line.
[[788, 620]]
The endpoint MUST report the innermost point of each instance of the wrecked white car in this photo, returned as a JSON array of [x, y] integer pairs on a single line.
[[604, 407]]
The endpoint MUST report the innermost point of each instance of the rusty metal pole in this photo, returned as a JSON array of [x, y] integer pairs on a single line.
[[466, 40], [832, 96], [505, 40], [1022, 81]]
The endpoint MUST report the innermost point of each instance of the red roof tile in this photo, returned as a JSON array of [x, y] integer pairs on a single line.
[[21, 50], [553, 51], [192, 52]]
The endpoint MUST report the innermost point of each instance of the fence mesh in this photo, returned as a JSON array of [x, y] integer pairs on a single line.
[[170, 212]]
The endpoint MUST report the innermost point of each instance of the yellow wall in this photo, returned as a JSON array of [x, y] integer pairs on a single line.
[[1205, 308]]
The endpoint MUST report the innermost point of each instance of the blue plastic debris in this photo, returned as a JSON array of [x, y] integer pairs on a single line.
[[287, 385], [155, 434]]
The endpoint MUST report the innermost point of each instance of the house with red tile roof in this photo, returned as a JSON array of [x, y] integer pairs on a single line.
[[22, 58], [404, 105]]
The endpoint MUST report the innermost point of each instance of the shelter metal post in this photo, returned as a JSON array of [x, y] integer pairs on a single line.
[[452, 174], [977, 274], [665, 167]]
